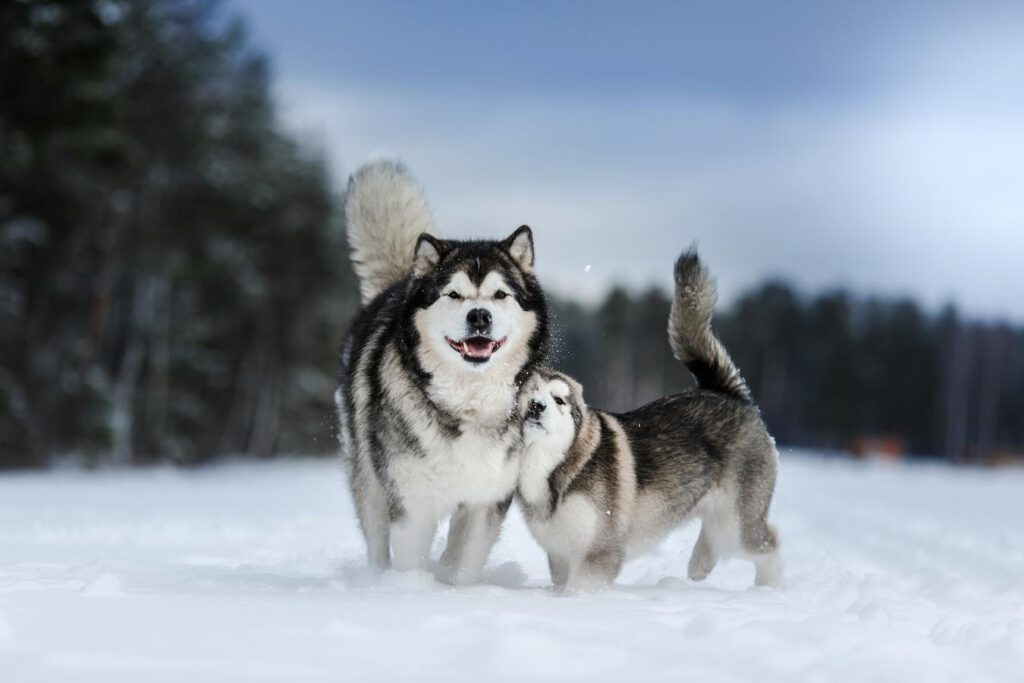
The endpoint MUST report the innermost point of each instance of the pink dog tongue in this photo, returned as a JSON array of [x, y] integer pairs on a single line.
[[478, 347]]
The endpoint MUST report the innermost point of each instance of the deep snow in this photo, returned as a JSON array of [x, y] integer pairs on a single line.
[[252, 572]]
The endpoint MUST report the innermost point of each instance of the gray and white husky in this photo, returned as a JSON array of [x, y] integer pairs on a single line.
[[597, 488], [430, 375]]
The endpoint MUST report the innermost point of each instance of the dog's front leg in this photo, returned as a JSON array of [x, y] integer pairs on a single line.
[[479, 527], [411, 536], [458, 531], [559, 567], [371, 503]]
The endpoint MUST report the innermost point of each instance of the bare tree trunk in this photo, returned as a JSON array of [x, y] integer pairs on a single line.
[[241, 409], [157, 378], [990, 379], [267, 418], [773, 390], [122, 419], [621, 378], [106, 280], [267, 415], [957, 397]]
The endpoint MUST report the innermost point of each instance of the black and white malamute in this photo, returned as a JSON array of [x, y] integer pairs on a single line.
[[597, 487], [430, 375]]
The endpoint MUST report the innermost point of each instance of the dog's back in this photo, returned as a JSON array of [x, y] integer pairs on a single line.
[[701, 454]]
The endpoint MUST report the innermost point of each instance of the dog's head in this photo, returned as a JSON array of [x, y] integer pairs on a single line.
[[476, 305], [552, 408]]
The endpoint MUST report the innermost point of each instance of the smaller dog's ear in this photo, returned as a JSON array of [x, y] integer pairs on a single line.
[[519, 246], [429, 251]]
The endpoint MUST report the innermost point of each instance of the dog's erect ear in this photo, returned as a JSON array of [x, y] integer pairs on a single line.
[[429, 251], [519, 246]]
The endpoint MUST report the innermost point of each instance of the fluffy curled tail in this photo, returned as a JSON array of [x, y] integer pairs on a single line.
[[385, 212], [689, 330]]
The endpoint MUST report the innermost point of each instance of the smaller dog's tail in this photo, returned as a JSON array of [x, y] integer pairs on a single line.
[[385, 213], [690, 334]]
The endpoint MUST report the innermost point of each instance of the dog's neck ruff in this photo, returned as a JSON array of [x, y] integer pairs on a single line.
[[484, 398]]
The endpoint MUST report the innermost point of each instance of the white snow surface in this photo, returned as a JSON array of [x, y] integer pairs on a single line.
[[254, 572]]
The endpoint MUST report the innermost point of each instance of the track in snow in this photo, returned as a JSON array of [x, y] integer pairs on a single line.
[[252, 572]]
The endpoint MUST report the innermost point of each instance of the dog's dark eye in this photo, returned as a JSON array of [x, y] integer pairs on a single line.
[[559, 401], [499, 295], [454, 295]]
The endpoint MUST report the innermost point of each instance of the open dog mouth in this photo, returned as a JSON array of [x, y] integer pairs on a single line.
[[534, 422], [476, 349]]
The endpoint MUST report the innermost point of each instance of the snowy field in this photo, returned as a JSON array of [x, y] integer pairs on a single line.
[[253, 572]]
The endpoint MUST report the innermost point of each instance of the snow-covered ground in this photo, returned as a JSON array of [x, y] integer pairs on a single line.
[[253, 572]]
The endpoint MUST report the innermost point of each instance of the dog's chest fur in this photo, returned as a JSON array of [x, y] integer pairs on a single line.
[[433, 432], [477, 463], [473, 467], [575, 521], [571, 529]]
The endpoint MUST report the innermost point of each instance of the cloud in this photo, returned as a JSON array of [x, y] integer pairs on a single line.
[[914, 193]]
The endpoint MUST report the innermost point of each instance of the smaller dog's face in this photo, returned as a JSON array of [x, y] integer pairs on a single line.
[[551, 406]]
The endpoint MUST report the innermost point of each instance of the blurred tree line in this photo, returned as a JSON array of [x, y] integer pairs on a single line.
[[174, 285], [172, 279], [826, 371]]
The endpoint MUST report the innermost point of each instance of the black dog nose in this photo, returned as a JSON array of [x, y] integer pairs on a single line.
[[535, 409], [479, 319]]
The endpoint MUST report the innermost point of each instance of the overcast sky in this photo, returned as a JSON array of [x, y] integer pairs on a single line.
[[873, 145]]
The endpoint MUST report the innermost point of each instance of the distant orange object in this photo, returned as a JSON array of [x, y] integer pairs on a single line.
[[884, 447], [1005, 458]]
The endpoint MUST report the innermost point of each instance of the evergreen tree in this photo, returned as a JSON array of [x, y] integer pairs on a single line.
[[174, 274]]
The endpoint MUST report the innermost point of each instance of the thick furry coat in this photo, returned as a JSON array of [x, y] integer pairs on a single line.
[[598, 487], [430, 375]]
